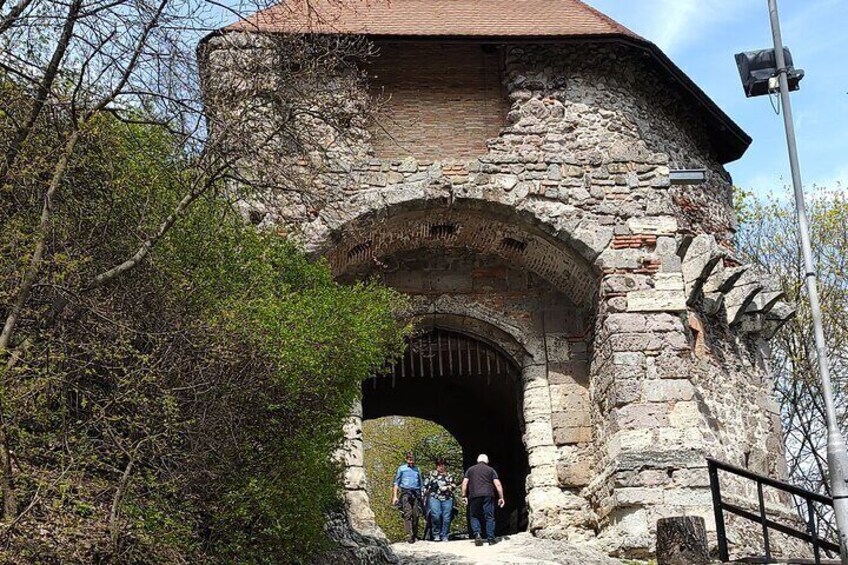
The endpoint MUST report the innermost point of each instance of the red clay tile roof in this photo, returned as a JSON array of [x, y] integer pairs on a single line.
[[478, 18]]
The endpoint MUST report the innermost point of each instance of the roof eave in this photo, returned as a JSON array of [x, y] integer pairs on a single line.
[[723, 125]]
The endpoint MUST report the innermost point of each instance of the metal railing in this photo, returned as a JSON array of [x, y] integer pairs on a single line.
[[810, 536]]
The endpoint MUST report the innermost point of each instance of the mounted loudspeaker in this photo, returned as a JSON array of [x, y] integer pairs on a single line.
[[757, 68]]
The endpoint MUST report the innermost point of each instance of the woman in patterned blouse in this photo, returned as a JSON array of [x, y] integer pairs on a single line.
[[440, 486]]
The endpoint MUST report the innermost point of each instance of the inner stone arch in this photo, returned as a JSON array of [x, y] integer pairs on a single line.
[[472, 388], [514, 290]]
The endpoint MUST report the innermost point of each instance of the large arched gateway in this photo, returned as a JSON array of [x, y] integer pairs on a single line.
[[471, 387], [514, 168], [485, 280]]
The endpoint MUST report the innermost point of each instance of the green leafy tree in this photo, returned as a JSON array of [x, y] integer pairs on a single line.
[[172, 382], [386, 440], [187, 410], [769, 238]]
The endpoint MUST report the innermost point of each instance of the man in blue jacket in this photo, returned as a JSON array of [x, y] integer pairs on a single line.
[[406, 491]]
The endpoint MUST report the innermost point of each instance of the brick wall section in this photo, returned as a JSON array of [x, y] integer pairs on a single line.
[[633, 241], [441, 101]]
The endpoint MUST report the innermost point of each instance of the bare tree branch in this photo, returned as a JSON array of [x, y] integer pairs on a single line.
[[41, 95], [12, 16]]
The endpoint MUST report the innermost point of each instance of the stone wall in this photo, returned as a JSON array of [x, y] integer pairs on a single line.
[[657, 362]]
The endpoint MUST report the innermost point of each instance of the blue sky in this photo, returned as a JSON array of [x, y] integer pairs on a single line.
[[702, 36]]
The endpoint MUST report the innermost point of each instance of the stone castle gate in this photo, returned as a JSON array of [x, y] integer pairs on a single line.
[[519, 184], [472, 387]]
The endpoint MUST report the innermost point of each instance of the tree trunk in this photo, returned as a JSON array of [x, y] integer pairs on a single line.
[[682, 541], [7, 486], [44, 226], [115, 513]]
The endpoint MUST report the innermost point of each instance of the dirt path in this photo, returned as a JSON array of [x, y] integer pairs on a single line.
[[519, 549]]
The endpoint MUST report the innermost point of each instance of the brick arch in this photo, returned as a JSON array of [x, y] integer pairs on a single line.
[[561, 252], [517, 347]]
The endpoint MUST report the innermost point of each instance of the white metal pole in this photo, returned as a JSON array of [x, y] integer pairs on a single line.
[[837, 456]]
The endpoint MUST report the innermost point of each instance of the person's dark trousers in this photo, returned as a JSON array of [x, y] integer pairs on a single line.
[[410, 507], [482, 507]]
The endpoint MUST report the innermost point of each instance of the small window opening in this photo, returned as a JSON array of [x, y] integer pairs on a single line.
[[513, 245], [359, 251], [441, 231]]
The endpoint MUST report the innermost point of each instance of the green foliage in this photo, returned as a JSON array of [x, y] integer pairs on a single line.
[[771, 240], [386, 440], [222, 368], [743, 200], [318, 339]]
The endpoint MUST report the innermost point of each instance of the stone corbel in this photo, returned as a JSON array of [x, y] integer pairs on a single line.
[[729, 277], [712, 303], [755, 319], [720, 281], [751, 322], [699, 261], [770, 295], [741, 295], [766, 312], [776, 317]]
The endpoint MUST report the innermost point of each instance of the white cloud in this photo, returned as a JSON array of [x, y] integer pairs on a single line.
[[674, 24], [836, 179], [685, 22], [679, 19]]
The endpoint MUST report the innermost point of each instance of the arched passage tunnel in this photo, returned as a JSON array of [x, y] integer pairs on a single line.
[[473, 389]]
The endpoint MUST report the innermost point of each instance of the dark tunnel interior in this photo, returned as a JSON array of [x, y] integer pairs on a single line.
[[472, 389]]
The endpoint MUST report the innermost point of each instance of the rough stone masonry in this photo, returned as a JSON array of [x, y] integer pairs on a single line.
[[530, 196]]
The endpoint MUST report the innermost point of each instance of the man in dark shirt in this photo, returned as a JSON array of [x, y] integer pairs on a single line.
[[478, 491]]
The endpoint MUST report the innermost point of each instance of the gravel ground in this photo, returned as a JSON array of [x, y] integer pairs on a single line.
[[519, 549]]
